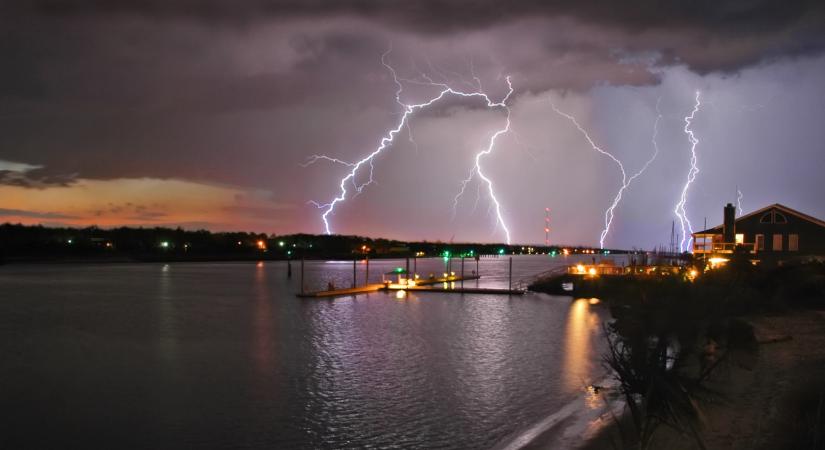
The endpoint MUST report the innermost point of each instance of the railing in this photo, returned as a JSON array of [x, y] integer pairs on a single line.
[[600, 269], [721, 247]]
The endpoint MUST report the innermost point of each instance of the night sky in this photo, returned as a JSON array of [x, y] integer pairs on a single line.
[[203, 113]]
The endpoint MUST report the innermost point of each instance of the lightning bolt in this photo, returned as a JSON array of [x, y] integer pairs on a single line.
[[679, 210], [626, 181], [739, 200], [477, 170], [409, 109]]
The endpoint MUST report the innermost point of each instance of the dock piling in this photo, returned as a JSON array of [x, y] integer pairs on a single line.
[[462, 271], [510, 283], [302, 274], [367, 275], [354, 260]]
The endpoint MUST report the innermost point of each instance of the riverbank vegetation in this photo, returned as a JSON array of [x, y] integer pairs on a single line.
[[670, 336]]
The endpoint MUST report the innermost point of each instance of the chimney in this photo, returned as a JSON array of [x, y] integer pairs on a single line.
[[730, 223]]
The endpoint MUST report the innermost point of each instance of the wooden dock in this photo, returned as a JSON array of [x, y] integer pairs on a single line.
[[421, 285]]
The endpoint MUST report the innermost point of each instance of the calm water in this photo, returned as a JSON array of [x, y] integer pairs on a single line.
[[223, 355]]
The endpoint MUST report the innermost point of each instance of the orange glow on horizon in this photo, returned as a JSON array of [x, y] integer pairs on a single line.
[[144, 202]]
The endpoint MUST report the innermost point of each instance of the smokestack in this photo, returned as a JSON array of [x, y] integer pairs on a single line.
[[730, 223]]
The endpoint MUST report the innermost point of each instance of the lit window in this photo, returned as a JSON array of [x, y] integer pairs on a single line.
[[760, 242], [766, 218], [777, 242], [740, 238], [778, 217], [793, 242]]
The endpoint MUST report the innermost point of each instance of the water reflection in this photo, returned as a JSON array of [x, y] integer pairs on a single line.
[[263, 340], [581, 328], [168, 333]]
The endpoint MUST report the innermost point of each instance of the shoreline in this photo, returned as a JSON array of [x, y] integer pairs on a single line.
[[756, 398]]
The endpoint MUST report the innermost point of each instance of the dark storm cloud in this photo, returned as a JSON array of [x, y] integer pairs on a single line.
[[454, 14], [239, 93]]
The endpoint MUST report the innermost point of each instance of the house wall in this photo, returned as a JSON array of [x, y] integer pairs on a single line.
[[811, 235]]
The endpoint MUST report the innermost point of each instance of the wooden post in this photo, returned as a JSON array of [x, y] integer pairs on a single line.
[[511, 273], [289, 268], [354, 260], [415, 265], [302, 274], [478, 274], [367, 276], [407, 267], [462, 272]]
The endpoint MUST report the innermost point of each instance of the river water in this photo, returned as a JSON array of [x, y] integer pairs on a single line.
[[223, 355]]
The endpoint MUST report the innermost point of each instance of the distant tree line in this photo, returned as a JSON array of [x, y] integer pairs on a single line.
[[32, 243]]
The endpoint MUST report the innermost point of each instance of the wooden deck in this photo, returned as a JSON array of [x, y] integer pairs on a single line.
[[422, 285]]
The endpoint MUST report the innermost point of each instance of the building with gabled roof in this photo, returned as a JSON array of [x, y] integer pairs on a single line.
[[773, 234]]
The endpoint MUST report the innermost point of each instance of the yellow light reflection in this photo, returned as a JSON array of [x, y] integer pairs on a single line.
[[577, 370]]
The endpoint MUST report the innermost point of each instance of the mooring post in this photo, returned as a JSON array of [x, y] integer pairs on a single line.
[[289, 268], [354, 260], [367, 275], [511, 273], [478, 274], [415, 265], [462, 271], [407, 267], [302, 274]]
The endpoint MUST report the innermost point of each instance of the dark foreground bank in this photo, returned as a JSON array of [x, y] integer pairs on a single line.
[[734, 359]]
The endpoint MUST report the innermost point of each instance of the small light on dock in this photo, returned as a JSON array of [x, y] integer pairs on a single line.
[[592, 271], [580, 268], [400, 294], [594, 301], [693, 274], [717, 262]]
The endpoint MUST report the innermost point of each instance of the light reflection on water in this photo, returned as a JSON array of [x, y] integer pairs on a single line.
[[224, 355], [582, 329]]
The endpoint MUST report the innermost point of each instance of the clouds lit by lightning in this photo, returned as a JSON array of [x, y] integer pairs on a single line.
[[679, 210], [349, 181], [626, 181]]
